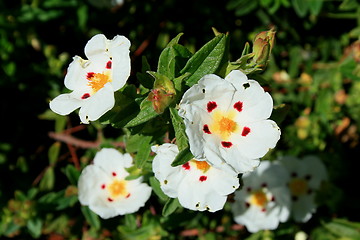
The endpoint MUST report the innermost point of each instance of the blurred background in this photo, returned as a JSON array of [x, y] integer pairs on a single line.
[[314, 69]]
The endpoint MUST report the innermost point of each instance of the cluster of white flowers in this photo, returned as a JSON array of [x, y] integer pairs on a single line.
[[229, 130], [278, 190]]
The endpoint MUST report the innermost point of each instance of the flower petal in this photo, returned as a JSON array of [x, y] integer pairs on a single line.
[[263, 136], [64, 104], [112, 161], [96, 106], [76, 75]]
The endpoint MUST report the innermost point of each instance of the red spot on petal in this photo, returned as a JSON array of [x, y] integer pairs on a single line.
[[202, 178], [263, 209], [114, 174], [211, 106], [110, 199], [226, 144], [90, 75], [103, 186], [186, 166], [108, 65], [127, 196], [245, 131], [238, 106], [273, 199], [206, 129], [264, 185], [247, 204], [85, 96]]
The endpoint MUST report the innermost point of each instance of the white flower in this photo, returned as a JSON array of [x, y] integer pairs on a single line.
[[102, 186], [226, 121], [94, 81], [306, 176], [197, 185], [264, 201]]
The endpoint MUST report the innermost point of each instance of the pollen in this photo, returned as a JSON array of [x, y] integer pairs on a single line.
[[298, 187], [201, 165], [223, 124], [118, 188], [97, 80], [258, 198]]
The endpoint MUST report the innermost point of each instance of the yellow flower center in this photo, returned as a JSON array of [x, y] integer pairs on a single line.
[[258, 198], [118, 188], [298, 186], [201, 165], [97, 80], [223, 124]]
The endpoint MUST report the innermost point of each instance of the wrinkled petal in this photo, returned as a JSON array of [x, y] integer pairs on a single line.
[[64, 104], [96, 106]]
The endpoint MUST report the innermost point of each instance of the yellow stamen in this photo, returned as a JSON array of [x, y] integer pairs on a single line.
[[298, 186], [118, 188], [201, 165], [98, 80], [258, 198], [223, 124]]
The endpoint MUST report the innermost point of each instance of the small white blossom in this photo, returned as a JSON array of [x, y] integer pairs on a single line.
[[226, 121], [103, 187], [197, 184], [264, 201], [94, 81], [306, 176]]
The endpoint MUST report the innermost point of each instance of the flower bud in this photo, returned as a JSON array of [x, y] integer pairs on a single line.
[[163, 93]]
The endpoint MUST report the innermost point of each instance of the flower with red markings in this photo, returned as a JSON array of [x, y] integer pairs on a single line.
[[94, 81], [226, 121], [104, 188], [264, 201], [197, 184], [306, 176]]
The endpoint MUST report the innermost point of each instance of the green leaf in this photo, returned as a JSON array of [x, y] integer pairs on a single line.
[[48, 180], [125, 109], [170, 206], [155, 184], [344, 228], [91, 217], [53, 152], [179, 128], [34, 226], [146, 113], [184, 156], [173, 58], [209, 59], [72, 174], [143, 151], [315, 6], [279, 113], [301, 7]]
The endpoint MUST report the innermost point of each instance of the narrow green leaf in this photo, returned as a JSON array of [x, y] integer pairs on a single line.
[[279, 113], [301, 7], [146, 113], [72, 174], [344, 228], [48, 180], [91, 217], [34, 226], [143, 151], [184, 156], [170, 206], [155, 184], [315, 6], [179, 128], [207, 60], [53, 152]]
